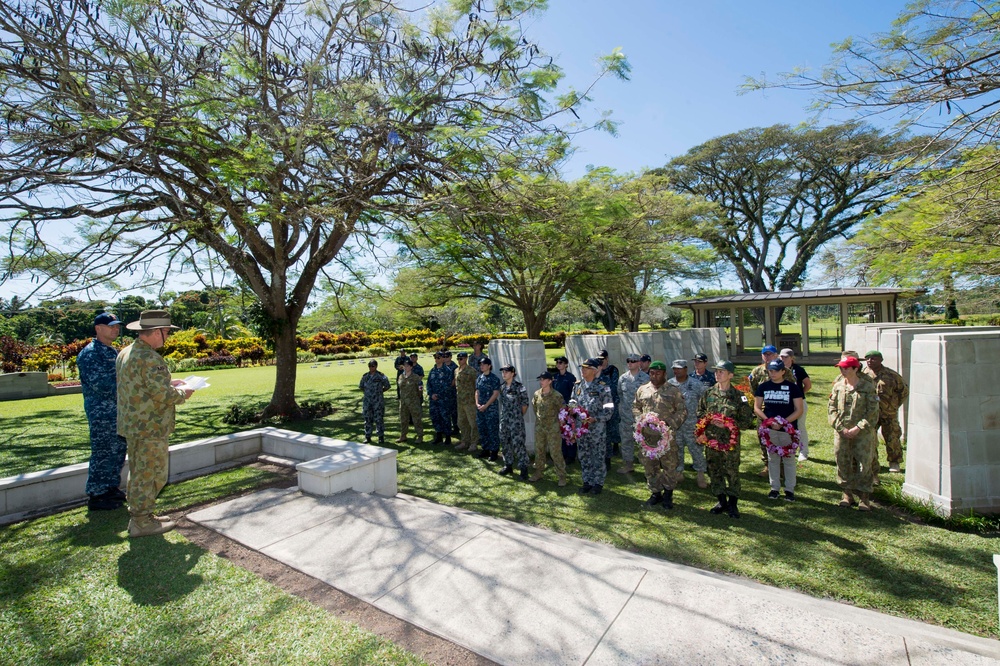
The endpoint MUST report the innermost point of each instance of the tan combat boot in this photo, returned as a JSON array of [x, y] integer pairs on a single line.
[[140, 526], [863, 504], [536, 476], [702, 483], [562, 481], [847, 500]]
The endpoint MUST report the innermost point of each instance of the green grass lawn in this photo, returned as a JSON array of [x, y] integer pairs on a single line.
[[74, 589], [883, 560]]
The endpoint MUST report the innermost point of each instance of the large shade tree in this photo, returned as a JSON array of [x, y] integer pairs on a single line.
[[784, 192], [268, 131], [522, 243]]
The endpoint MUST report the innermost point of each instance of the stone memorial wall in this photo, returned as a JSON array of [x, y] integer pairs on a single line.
[[665, 345], [953, 447]]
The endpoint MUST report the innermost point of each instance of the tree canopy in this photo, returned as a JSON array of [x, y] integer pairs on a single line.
[[783, 192], [268, 131]]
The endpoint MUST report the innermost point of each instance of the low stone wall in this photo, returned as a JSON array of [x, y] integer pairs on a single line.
[[953, 448], [666, 345], [23, 385], [36, 493]]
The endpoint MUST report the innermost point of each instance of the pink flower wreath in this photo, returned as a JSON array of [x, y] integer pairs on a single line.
[[573, 423], [653, 422], [765, 436]]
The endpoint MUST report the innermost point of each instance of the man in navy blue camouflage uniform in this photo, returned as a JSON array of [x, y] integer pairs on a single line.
[[594, 396], [374, 384], [488, 410], [441, 398], [96, 364]]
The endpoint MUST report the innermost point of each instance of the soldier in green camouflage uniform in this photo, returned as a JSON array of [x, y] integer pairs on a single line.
[[547, 403], [666, 402], [411, 398], [757, 377], [724, 466], [146, 400], [465, 395], [892, 392], [853, 413]]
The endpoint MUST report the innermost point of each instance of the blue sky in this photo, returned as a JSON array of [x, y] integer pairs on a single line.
[[689, 60]]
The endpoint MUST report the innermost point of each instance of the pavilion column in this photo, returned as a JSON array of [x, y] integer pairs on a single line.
[[732, 332], [804, 317], [769, 325], [843, 324]]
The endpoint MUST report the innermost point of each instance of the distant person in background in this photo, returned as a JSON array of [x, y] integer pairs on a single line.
[[563, 382], [892, 392], [644, 362], [418, 369], [547, 403], [411, 398], [465, 399], [692, 390], [477, 356], [451, 390], [853, 413], [488, 411], [609, 375], [628, 384], [146, 400], [96, 364], [513, 405], [701, 371], [374, 384], [805, 383]]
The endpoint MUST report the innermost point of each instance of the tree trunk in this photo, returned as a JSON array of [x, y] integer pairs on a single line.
[[285, 350], [533, 324]]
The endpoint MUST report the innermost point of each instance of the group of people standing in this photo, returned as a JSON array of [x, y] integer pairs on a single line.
[[486, 412]]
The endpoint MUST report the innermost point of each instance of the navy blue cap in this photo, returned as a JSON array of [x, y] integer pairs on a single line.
[[645, 358], [591, 363], [776, 365], [106, 319], [545, 375]]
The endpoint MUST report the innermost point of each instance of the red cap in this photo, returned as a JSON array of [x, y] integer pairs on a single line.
[[849, 362]]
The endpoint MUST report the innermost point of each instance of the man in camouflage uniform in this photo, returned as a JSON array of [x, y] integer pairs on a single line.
[[853, 412], [892, 392], [628, 384], [667, 403], [96, 364], [724, 466], [757, 377], [451, 365], [692, 390], [488, 410], [513, 405], [374, 384], [146, 401], [547, 403], [594, 396], [464, 384], [441, 398], [411, 398]]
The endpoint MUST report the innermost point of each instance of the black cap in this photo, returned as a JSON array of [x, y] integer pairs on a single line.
[[700, 357], [603, 353], [545, 375], [591, 363], [508, 368], [562, 359], [413, 353], [438, 354], [463, 354], [776, 365], [645, 358], [106, 319], [408, 362], [446, 353], [372, 362], [486, 359]]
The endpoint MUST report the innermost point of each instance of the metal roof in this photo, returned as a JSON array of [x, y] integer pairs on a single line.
[[804, 294]]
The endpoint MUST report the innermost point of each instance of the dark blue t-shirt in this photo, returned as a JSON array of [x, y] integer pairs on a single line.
[[779, 398]]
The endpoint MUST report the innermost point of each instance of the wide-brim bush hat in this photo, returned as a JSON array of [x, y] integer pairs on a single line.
[[150, 320]]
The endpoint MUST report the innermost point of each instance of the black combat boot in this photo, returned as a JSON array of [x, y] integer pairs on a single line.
[[483, 454], [437, 438], [508, 469], [494, 456], [668, 499], [596, 490], [653, 500], [721, 506], [447, 440], [733, 511], [524, 473], [607, 464], [585, 489]]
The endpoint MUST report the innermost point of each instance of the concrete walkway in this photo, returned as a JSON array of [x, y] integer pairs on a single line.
[[521, 595]]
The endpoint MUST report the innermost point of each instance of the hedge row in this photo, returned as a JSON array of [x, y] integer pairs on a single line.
[[379, 343]]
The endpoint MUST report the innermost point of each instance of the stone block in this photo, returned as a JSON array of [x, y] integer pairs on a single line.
[[925, 378], [234, 447], [960, 351], [385, 477], [23, 385], [185, 458], [925, 411], [990, 413]]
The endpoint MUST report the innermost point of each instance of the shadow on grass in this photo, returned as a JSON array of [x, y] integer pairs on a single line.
[[41, 440], [155, 571]]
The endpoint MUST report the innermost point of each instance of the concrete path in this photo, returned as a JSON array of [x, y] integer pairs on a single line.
[[521, 595]]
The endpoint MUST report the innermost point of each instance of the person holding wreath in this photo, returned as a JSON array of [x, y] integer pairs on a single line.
[[853, 414], [658, 401], [723, 411], [547, 403], [778, 404], [594, 397]]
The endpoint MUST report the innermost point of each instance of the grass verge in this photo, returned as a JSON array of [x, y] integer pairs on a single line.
[[74, 589]]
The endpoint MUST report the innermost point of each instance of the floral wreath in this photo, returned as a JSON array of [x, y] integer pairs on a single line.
[[719, 421], [573, 423], [653, 422], [745, 390], [765, 436]]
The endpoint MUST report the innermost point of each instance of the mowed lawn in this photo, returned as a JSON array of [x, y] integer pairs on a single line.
[[883, 560]]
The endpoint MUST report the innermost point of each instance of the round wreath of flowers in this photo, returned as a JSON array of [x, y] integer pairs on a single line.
[[653, 422], [765, 436], [573, 423], [719, 421]]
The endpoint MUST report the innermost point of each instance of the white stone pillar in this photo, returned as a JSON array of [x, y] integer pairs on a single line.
[[528, 358]]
